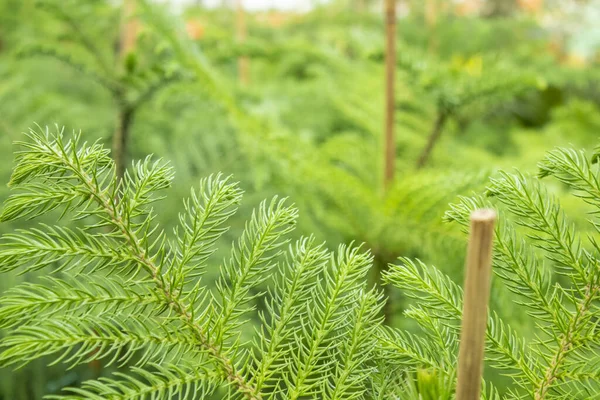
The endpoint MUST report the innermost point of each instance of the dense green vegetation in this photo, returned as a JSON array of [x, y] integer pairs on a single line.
[[474, 96]]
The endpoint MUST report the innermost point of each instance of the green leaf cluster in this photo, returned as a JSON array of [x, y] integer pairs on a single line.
[[550, 268], [284, 320], [121, 290]]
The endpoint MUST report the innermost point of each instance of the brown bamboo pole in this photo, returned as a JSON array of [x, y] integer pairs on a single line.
[[129, 29], [360, 6], [477, 293], [390, 71], [389, 146], [431, 13], [241, 34], [431, 19]]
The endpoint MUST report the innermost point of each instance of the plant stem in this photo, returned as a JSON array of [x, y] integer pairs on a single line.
[[110, 207], [125, 114], [381, 265], [121, 139], [182, 308], [566, 342], [436, 132]]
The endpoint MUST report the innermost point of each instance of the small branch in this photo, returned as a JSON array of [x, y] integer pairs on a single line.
[[566, 343], [106, 81], [380, 265], [434, 136], [173, 300], [477, 293], [182, 308], [150, 92], [86, 41]]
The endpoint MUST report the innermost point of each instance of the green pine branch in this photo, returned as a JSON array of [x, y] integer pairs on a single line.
[[134, 294]]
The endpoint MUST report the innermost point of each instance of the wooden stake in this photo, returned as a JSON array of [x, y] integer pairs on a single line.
[[431, 18], [129, 28], [243, 62], [361, 6], [431, 7], [390, 71], [477, 293]]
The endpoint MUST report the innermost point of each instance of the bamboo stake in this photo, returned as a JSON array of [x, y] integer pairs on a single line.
[[431, 19], [120, 140], [241, 33], [361, 6], [477, 293], [129, 28], [431, 13], [390, 70]]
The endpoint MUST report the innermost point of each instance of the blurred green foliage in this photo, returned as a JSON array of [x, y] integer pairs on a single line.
[[309, 125]]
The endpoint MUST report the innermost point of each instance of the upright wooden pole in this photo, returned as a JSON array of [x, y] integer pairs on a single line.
[[241, 33], [431, 13], [120, 140], [360, 6], [390, 71], [129, 28], [431, 18], [477, 293]]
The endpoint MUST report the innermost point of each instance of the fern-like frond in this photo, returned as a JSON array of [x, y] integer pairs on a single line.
[[112, 338], [142, 182], [62, 248], [164, 381], [251, 259], [286, 310], [540, 212], [359, 345], [318, 340], [438, 293], [39, 198], [85, 294], [206, 211], [46, 154], [577, 171], [74, 59], [89, 170], [65, 14], [429, 286], [403, 349], [521, 271], [534, 238]]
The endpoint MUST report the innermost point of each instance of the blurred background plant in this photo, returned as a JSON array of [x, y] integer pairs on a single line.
[[291, 102]]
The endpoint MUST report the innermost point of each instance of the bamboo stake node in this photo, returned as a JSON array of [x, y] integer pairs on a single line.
[[477, 293]]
